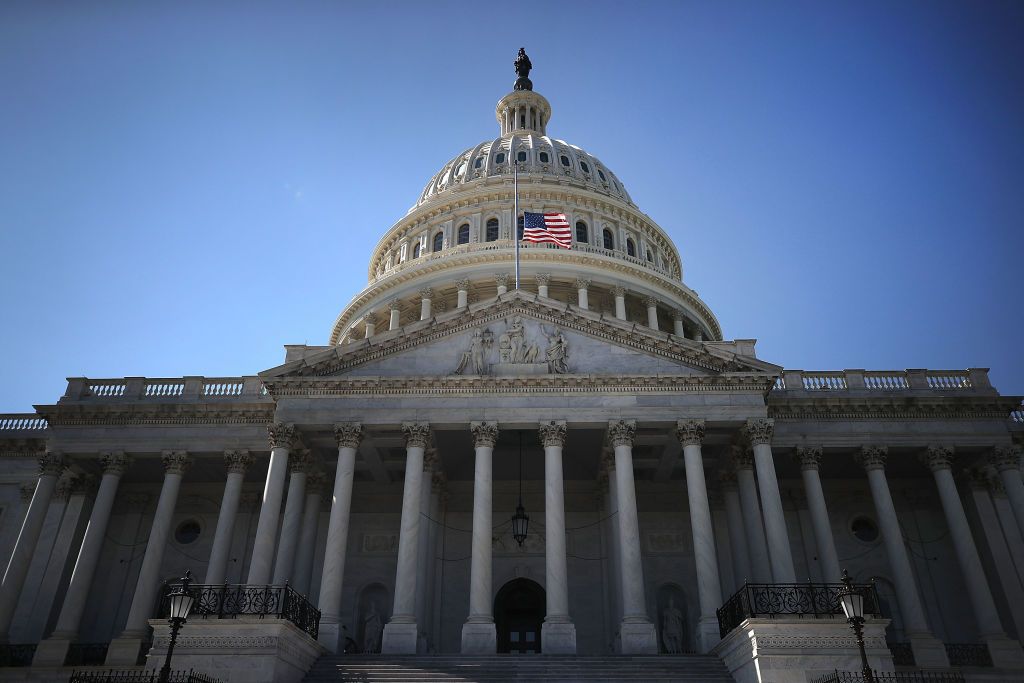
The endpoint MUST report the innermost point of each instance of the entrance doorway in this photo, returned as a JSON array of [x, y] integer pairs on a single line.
[[519, 610]]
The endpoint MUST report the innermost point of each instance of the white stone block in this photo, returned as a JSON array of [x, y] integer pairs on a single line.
[[399, 638], [638, 638], [479, 639], [558, 638]]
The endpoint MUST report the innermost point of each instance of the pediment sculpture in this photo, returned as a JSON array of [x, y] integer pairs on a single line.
[[517, 354]]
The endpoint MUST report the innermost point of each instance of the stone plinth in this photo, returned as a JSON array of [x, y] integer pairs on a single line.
[[479, 639], [557, 638], [638, 638], [243, 650], [799, 650]]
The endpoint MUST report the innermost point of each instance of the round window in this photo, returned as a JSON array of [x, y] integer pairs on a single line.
[[187, 532], [864, 529]]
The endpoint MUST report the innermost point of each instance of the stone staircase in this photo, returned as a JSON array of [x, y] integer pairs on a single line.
[[415, 668]]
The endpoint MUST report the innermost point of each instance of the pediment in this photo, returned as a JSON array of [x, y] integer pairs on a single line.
[[517, 335]]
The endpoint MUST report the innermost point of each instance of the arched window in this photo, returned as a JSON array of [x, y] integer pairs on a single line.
[[544, 158], [600, 174], [519, 228], [581, 232], [438, 241], [650, 256], [609, 242], [464, 234], [492, 229], [500, 159], [630, 247], [583, 165], [416, 250], [479, 162], [565, 160], [521, 156]]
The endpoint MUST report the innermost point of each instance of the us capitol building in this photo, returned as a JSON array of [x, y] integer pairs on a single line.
[[580, 464]]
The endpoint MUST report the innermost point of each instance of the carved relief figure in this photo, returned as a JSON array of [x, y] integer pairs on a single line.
[[475, 355], [373, 628], [672, 628], [516, 339], [557, 353]]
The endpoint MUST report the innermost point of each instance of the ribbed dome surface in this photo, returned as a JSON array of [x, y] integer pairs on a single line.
[[545, 158]]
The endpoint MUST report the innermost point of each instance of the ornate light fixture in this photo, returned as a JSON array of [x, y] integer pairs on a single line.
[[181, 605], [520, 520], [852, 601]]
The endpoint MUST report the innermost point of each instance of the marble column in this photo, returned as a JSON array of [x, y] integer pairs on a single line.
[[425, 557], [1005, 653], [53, 650], [51, 464], [400, 632], [1007, 523], [426, 294], [558, 633], [543, 280], [697, 334], [125, 648], [613, 544], [810, 460], [348, 436], [759, 432], [1006, 460], [619, 293], [760, 567], [677, 323], [478, 633], [299, 462], [281, 435], [237, 462], [370, 321], [581, 292], [303, 573], [501, 279], [738, 545], [462, 297], [709, 588], [652, 312], [395, 313], [637, 633], [928, 651]]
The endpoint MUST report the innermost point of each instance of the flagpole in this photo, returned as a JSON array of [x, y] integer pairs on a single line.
[[515, 214]]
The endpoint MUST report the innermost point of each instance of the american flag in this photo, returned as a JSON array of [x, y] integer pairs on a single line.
[[547, 227]]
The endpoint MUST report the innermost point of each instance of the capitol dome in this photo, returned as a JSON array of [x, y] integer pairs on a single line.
[[454, 247]]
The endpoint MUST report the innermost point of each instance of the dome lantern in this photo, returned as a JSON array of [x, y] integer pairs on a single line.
[[523, 110]]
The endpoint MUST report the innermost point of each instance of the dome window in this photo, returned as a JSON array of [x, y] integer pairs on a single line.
[[650, 256], [464, 233], [581, 232], [600, 174], [565, 160], [521, 156], [583, 165], [609, 241], [460, 170], [492, 229], [519, 228], [630, 247], [416, 250], [544, 158], [500, 159], [438, 241], [478, 163]]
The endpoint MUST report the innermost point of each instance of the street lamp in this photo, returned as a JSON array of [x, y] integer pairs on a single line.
[[520, 520], [181, 605], [852, 601]]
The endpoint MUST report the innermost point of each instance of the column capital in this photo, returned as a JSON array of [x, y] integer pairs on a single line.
[[622, 432], [582, 282], [281, 434], [690, 432], [426, 293], [678, 314], [552, 433], [77, 484], [977, 478], [618, 290], [316, 482], [759, 431], [176, 462], [809, 457], [543, 279], [51, 463], [1005, 458], [727, 479], [484, 433], [937, 457], [395, 305], [462, 284], [237, 461], [348, 434], [417, 434], [300, 461], [27, 489], [429, 459], [650, 301], [742, 457], [872, 457], [501, 279], [114, 462]]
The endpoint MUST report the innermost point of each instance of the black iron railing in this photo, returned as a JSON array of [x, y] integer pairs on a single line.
[[902, 654], [233, 600], [788, 599], [968, 654], [86, 654], [892, 677], [14, 654], [137, 676]]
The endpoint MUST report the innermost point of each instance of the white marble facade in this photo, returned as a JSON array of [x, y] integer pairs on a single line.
[[662, 465]]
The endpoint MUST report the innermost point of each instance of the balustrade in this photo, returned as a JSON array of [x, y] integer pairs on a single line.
[[22, 422], [887, 381], [788, 599]]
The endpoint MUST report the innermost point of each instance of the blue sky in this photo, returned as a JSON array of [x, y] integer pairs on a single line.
[[185, 187]]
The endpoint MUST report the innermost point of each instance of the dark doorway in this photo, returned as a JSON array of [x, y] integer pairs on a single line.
[[519, 610]]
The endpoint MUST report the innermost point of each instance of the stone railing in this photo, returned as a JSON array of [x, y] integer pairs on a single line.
[[159, 389], [771, 600], [1017, 416], [21, 422], [973, 380]]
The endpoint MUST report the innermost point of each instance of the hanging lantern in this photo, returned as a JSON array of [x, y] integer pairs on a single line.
[[520, 524]]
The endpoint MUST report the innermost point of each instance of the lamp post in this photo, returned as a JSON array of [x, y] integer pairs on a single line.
[[181, 605], [520, 520], [852, 601]]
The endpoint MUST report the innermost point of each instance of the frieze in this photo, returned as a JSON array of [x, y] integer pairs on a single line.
[[815, 642], [887, 408], [163, 414]]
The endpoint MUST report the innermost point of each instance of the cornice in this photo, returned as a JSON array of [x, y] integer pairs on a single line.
[[891, 408], [76, 415]]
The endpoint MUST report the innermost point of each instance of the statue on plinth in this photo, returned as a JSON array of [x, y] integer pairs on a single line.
[[523, 66]]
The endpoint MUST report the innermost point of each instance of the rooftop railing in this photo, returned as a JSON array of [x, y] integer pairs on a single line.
[[162, 388], [885, 381], [21, 422], [227, 601], [772, 600]]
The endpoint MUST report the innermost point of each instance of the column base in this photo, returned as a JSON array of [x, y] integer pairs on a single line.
[[399, 638], [124, 651], [1006, 653], [329, 636], [707, 634], [479, 639], [929, 652], [558, 638], [638, 638], [52, 651]]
